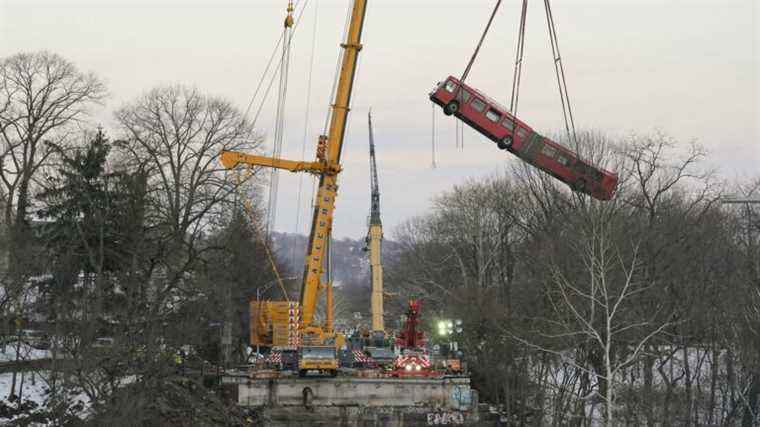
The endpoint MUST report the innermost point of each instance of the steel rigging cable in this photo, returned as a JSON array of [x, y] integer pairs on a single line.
[[559, 70], [516, 77], [480, 42], [306, 126], [459, 131], [567, 111], [432, 139], [266, 71], [279, 129]]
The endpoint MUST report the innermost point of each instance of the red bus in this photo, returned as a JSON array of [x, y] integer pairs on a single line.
[[494, 121]]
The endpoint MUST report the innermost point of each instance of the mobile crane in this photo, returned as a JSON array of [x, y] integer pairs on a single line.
[[374, 241], [414, 360], [326, 167]]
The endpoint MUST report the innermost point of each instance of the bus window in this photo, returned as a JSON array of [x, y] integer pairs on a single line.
[[508, 123], [522, 133], [450, 86], [581, 168], [493, 115], [548, 151], [478, 105], [587, 170], [464, 96], [563, 160]]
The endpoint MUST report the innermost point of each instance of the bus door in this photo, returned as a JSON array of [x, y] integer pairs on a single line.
[[532, 146]]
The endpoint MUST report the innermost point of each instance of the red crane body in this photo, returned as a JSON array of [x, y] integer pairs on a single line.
[[414, 360], [411, 337]]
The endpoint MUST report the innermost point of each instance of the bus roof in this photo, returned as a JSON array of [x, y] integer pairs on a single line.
[[487, 98], [506, 110]]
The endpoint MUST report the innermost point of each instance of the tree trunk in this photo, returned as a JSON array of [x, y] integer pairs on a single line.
[[12, 391], [21, 389], [648, 391], [509, 380], [540, 397], [750, 409], [714, 363], [687, 385]]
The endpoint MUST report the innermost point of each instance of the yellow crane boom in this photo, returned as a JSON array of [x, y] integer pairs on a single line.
[[327, 167], [230, 159]]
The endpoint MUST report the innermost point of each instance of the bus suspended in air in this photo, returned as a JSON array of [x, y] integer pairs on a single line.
[[494, 121]]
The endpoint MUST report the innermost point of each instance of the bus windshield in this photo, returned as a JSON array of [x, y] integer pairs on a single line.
[[318, 352]]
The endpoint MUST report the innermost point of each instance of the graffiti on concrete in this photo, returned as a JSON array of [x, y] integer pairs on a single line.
[[445, 418], [461, 396]]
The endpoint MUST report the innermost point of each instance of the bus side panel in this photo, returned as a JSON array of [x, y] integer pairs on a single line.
[[534, 153]]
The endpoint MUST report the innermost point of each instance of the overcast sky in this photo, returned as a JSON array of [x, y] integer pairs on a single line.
[[687, 68]]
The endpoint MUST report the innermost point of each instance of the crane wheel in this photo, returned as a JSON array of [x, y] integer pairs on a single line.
[[451, 108], [505, 143]]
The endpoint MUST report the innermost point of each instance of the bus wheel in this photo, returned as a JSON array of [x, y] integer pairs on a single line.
[[505, 143], [451, 108]]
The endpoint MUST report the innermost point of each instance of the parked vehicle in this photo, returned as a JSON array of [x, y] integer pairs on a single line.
[[319, 359]]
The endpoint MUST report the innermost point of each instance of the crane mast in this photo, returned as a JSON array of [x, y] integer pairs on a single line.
[[321, 226], [326, 167], [374, 239], [374, 184]]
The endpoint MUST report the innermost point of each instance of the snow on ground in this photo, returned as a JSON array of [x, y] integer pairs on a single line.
[[670, 362], [35, 386], [25, 352]]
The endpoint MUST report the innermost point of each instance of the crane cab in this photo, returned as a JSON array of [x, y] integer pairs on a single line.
[[318, 359]]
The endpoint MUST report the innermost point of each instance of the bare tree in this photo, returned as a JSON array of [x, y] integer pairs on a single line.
[[671, 194], [42, 95], [745, 324], [594, 306], [176, 134], [624, 304]]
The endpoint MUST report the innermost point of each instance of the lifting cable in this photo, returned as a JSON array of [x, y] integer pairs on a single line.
[[279, 128], [456, 134], [516, 77], [248, 207], [459, 130], [305, 127], [461, 136], [266, 70], [480, 43], [559, 69], [261, 80], [433, 166]]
